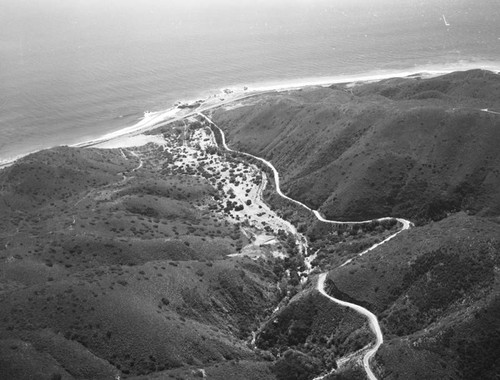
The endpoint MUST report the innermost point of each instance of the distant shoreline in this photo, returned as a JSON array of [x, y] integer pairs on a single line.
[[155, 119], [228, 95]]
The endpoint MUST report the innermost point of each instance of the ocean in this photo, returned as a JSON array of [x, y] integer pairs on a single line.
[[73, 70]]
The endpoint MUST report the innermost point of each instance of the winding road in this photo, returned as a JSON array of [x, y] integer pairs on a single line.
[[374, 325], [489, 111], [267, 163], [372, 319]]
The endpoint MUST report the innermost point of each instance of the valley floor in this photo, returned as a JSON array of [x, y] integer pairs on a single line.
[[176, 253]]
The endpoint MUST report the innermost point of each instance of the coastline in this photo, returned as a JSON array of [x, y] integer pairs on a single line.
[[235, 93]]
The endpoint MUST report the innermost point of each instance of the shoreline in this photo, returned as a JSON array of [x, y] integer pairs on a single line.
[[235, 93]]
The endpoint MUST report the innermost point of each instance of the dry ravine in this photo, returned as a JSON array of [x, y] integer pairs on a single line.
[[373, 321]]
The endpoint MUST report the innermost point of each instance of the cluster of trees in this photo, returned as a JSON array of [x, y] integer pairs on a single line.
[[337, 232], [295, 365], [230, 205], [291, 266]]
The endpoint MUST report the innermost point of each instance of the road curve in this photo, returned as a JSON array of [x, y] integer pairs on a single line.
[[267, 163], [406, 224], [489, 111], [374, 325], [372, 319]]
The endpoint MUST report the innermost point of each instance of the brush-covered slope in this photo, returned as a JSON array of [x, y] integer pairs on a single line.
[[316, 327], [424, 149], [412, 147], [111, 266], [435, 290], [137, 320]]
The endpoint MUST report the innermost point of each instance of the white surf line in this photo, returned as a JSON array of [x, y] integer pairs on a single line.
[[161, 118], [373, 321], [158, 119], [153, 120]]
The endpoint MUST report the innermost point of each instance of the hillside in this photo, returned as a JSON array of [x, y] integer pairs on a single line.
[[422, 149], [180, 259], [114, 262], [435, 290], [418, 148]]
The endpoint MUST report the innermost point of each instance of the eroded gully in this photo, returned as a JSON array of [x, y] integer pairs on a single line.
[[372, 319]]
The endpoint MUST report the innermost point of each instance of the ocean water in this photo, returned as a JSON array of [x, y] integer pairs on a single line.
[[73, 70]]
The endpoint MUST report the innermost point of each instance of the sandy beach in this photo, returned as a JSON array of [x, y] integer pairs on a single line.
[[131, 135], [232, 94]]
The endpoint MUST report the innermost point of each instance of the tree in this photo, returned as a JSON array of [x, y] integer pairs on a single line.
[[295, 365]]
